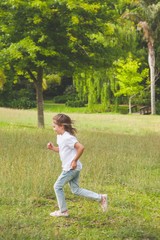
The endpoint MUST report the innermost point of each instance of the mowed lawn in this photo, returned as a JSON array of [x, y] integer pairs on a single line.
[[121, 158]]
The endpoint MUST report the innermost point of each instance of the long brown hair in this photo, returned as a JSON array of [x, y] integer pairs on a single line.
[[62, 119]]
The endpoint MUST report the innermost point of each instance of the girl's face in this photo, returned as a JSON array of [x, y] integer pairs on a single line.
[[58, 129]]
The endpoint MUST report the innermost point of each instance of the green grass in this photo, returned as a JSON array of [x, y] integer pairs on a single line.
[[121, 158], [55, 107], [50, 106]]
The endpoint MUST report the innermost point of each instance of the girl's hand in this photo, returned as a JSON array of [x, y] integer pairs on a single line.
[[73, 164], [50, 146]]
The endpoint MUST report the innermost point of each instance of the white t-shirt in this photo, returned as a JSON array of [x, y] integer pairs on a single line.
[[67, 152]]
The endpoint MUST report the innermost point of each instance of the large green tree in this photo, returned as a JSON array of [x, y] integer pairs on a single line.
[[129, 78], [39, 35]]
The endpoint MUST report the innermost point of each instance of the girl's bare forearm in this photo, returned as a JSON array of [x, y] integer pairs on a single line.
[[50, 146], [80, 148], [56, 149]]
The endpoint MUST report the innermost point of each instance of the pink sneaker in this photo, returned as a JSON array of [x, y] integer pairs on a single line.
[[59, 214], [104, 202]]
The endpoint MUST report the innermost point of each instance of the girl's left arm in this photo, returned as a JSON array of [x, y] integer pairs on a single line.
[[52, 147], [79, 148]]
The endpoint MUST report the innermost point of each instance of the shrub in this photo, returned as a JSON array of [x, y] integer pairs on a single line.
[[69, 94], [22, 103], [60, 99], [70, 90], [64, 98], [76, 103]]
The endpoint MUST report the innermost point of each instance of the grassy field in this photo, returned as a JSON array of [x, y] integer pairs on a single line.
[[121, 158], [57, 107]]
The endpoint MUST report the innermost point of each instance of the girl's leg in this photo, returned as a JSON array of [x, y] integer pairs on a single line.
[[64, 178], [74, 185]]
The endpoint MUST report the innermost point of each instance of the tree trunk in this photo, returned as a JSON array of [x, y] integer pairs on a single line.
[[151, 61], [130, 105], [39, 96], [116, 104]]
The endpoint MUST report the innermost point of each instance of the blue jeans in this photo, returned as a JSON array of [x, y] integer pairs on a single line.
[[71, 177]]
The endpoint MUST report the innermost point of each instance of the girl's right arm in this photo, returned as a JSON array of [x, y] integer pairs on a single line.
[[50, 146]]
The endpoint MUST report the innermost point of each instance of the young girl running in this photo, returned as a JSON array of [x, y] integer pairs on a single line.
[[70, 151]]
